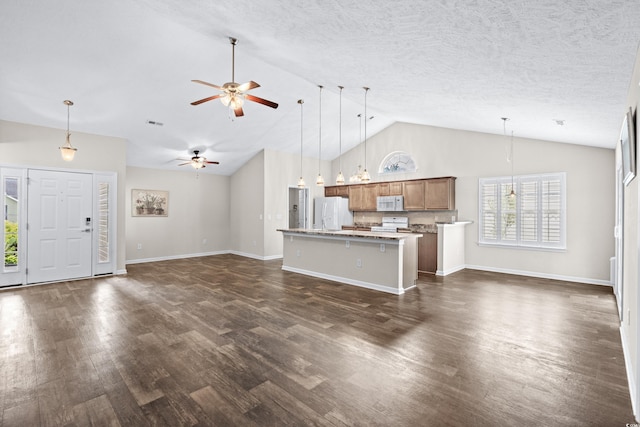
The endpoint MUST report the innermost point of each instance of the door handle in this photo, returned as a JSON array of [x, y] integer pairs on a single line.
[[86, 230]]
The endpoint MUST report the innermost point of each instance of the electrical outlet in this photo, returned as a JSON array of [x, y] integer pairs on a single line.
[[347, 244], [628, 317], [382, 247], [298, 252], [359, 263], [139, 246]]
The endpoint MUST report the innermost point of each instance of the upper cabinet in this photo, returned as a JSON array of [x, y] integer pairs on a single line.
[[414, 195], [392, 188], [440, 193], [419, 194], [362, 197], [336, 191]]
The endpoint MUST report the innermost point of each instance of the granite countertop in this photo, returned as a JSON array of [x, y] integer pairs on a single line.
[[351, 233]]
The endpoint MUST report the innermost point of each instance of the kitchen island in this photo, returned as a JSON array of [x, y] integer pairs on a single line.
[[382, 261]]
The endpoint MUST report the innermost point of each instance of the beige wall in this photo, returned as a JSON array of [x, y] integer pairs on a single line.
[[198, 220], [282, 171], [36, 146], [247, 207], [471, 155]]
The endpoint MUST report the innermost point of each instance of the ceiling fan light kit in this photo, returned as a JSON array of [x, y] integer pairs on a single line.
[[198, 162], [67, 151], [233, 94]]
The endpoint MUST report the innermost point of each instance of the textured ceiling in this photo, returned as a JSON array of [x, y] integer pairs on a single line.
[[456, 64]]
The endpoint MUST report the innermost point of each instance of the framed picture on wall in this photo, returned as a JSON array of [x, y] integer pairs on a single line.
[[149, 203], [628, 147]]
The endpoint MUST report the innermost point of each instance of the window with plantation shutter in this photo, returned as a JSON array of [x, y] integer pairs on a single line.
[[534, 217], [103, 222]]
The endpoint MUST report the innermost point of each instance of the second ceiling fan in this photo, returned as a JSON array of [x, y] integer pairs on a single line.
[[234, 94]]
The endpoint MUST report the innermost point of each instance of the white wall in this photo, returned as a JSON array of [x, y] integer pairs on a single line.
[[27, 145], [631, 296], [198, 220], [471, 155]]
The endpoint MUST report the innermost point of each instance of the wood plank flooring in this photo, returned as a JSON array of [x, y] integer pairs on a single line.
[[227, 340]]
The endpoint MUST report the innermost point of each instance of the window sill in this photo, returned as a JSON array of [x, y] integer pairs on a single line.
[[520, 247]]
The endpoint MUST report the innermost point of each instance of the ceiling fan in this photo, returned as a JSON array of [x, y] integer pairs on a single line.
[[234, 94], [198, 162]]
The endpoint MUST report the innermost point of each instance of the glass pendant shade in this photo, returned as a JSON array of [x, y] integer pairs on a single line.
[[301, 183], [320, 180], [340, 178], [67, 151], [365, 176]]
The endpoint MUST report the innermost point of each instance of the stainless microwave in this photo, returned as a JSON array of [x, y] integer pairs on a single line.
[[390, 203]]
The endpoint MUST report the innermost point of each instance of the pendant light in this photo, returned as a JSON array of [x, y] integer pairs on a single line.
[[357, 176], [365, 174], [301, 180], [340, 177], [67, 151], [512, 194], [320, 180]]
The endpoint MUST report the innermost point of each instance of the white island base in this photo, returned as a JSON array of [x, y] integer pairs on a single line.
[[385, 262]]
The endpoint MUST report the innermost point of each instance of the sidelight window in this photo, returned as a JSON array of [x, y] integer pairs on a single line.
[[534, 218], [10, 216]]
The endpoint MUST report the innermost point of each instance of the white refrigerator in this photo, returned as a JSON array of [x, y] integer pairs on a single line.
[[331, 213]]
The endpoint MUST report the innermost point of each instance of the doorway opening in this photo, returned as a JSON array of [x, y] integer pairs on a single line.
[[298, 207]]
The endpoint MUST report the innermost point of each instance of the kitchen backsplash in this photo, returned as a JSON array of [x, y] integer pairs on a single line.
[[422, 217]]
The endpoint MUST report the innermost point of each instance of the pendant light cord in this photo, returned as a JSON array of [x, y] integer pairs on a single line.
[[340, 131], [366, 90], [300, 101], [320, 132]]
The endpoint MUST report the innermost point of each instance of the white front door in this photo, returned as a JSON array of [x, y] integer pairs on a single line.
[[59, 225]]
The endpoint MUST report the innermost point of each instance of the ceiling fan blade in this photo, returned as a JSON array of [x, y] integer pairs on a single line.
[[207, 84], [261, 101], [206, 99], [248, 86], [238, 112], [213, 163], [185, 163]]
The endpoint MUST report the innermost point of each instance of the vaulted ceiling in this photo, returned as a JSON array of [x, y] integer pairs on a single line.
[[459, 64]]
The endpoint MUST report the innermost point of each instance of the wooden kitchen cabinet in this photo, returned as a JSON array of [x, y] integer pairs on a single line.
[[428, 253], [414, 195], [336, 191], [392, 188], [395, 188], [440, 194], [362, 197]]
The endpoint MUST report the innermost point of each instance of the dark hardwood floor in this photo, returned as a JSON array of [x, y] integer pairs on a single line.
[[226, 340]]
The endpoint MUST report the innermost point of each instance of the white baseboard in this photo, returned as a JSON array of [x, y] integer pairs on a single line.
[[541, 275], [170, 257], [254, 256], [632, 381], [167, 258], [119, 272], [450, 271]]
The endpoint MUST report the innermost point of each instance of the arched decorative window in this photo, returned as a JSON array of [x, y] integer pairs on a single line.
[[397, 162]]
